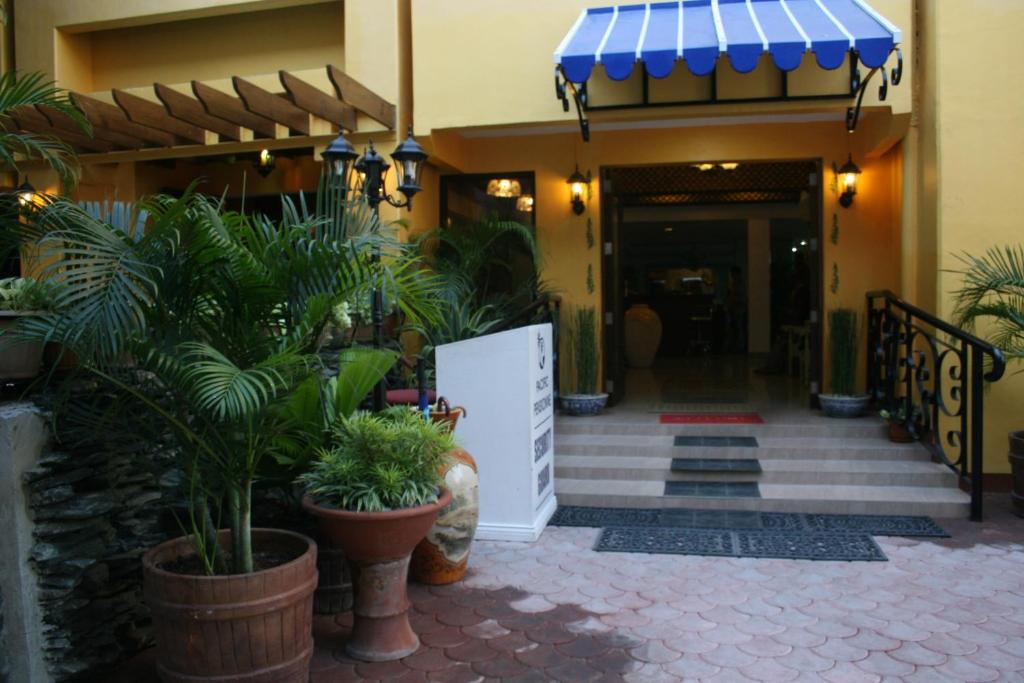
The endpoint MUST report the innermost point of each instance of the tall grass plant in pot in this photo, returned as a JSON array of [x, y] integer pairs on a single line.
[[376, 491], [992, 294], [844, 348], [579, 330]]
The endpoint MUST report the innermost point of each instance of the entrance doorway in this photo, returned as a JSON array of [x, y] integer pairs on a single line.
[[727, 256]]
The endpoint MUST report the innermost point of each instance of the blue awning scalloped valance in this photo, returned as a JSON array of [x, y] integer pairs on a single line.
[[699, 32]]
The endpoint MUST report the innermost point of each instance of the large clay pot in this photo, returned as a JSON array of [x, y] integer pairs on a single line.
[[841, 405], [18, 360], [643, 336], [1017, 468], [442, 556], [378, 546], [237, 628]]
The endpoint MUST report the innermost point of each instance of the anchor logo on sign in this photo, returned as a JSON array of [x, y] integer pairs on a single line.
[[540, 349]]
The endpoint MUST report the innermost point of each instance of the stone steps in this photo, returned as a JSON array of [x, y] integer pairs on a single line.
[[776, 471], [807, 464], [813, 498]]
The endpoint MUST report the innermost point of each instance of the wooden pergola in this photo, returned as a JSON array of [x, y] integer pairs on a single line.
[[211, 117]]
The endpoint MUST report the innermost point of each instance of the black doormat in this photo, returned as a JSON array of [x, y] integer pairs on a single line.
[[791, 545], [716, 441], [715, 489], [730, 465], [874, 525]]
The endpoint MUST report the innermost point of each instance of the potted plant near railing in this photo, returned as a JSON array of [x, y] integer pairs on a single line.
[[376, 491], [897, 421], [843, 336], [223, 313], [993, 293], [580, 332], [21, 298]]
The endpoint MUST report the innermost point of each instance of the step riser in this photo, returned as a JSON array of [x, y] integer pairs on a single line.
[[865, 431], [938, 510], [762, 453], [767, 477]]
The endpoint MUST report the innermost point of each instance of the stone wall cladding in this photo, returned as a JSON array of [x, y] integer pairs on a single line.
[[4, 666], [95, 512]]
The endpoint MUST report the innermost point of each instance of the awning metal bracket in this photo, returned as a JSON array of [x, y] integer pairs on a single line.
[[563, 89], [860, 87]]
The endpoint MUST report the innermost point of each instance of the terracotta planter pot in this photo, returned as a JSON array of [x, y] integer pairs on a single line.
[[643, 335], [900, 434], [1017, 468], [238, 628], [447, 414], [20, 360], [442, 557], [378, 546]]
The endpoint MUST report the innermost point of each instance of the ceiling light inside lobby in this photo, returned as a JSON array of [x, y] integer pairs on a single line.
[[504, 188]]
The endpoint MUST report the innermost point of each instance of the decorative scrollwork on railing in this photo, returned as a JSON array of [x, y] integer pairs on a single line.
[[928, 376]]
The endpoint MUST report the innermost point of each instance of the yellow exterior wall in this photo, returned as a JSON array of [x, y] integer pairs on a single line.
[[490, 64], [976, 121]]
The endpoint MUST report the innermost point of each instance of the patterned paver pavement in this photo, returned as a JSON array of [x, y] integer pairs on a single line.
[[938, 610]]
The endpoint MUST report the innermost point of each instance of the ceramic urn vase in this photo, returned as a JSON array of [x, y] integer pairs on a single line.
[[643, 335], [442, 556]]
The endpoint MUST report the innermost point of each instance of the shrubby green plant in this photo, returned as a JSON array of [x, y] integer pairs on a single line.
[[993, 292], [222, 314], [379, 462], [580, 333], [25, 294]]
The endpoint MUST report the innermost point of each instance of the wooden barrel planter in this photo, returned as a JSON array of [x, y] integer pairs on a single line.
[[238, 628], [1017, 469], [334, 591]]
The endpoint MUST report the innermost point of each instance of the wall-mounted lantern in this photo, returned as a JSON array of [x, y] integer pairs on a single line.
[[265, 165], [846, 177], [578, 184]]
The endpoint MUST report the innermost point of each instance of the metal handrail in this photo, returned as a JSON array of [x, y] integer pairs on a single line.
[[935, 384]]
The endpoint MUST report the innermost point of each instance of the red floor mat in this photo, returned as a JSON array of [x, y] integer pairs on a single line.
[[710, 419]]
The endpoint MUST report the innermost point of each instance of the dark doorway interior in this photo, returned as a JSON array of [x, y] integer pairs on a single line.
[[727, 257]]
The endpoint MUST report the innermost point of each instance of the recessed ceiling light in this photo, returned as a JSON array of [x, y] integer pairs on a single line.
[[669, 229], [730, 166]]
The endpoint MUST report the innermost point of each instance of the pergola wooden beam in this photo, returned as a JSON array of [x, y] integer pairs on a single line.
[[64, 122], [362, 98], [103, 115], [231, 109], [317, 102], [147, 113], [31, 120], [189, 110], [267, 104]]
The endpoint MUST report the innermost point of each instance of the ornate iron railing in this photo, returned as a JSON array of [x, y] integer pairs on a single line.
[[929, 376]]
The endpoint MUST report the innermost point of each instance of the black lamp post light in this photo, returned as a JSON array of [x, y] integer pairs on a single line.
[[372, 170], [578, 184]]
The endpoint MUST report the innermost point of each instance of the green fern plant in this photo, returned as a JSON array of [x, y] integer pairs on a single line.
[[380, 462], [993, 292], [221, 314]]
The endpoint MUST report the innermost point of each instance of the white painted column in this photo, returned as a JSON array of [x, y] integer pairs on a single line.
[[759, 280]]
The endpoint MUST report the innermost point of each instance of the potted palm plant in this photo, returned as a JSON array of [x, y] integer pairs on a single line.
[[223, 313], [843, 336], [580, 332], [376, 491], [21, 298], [993, 292]]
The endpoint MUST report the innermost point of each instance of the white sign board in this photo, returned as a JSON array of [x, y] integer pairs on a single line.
[[505, 383]]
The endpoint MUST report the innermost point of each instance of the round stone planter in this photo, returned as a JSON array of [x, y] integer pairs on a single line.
[[21, 360], [269, 614], [836, 405], [583, 404], [378, 546]]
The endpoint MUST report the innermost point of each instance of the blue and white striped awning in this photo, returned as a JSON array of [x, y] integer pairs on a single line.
[[698, 31]]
